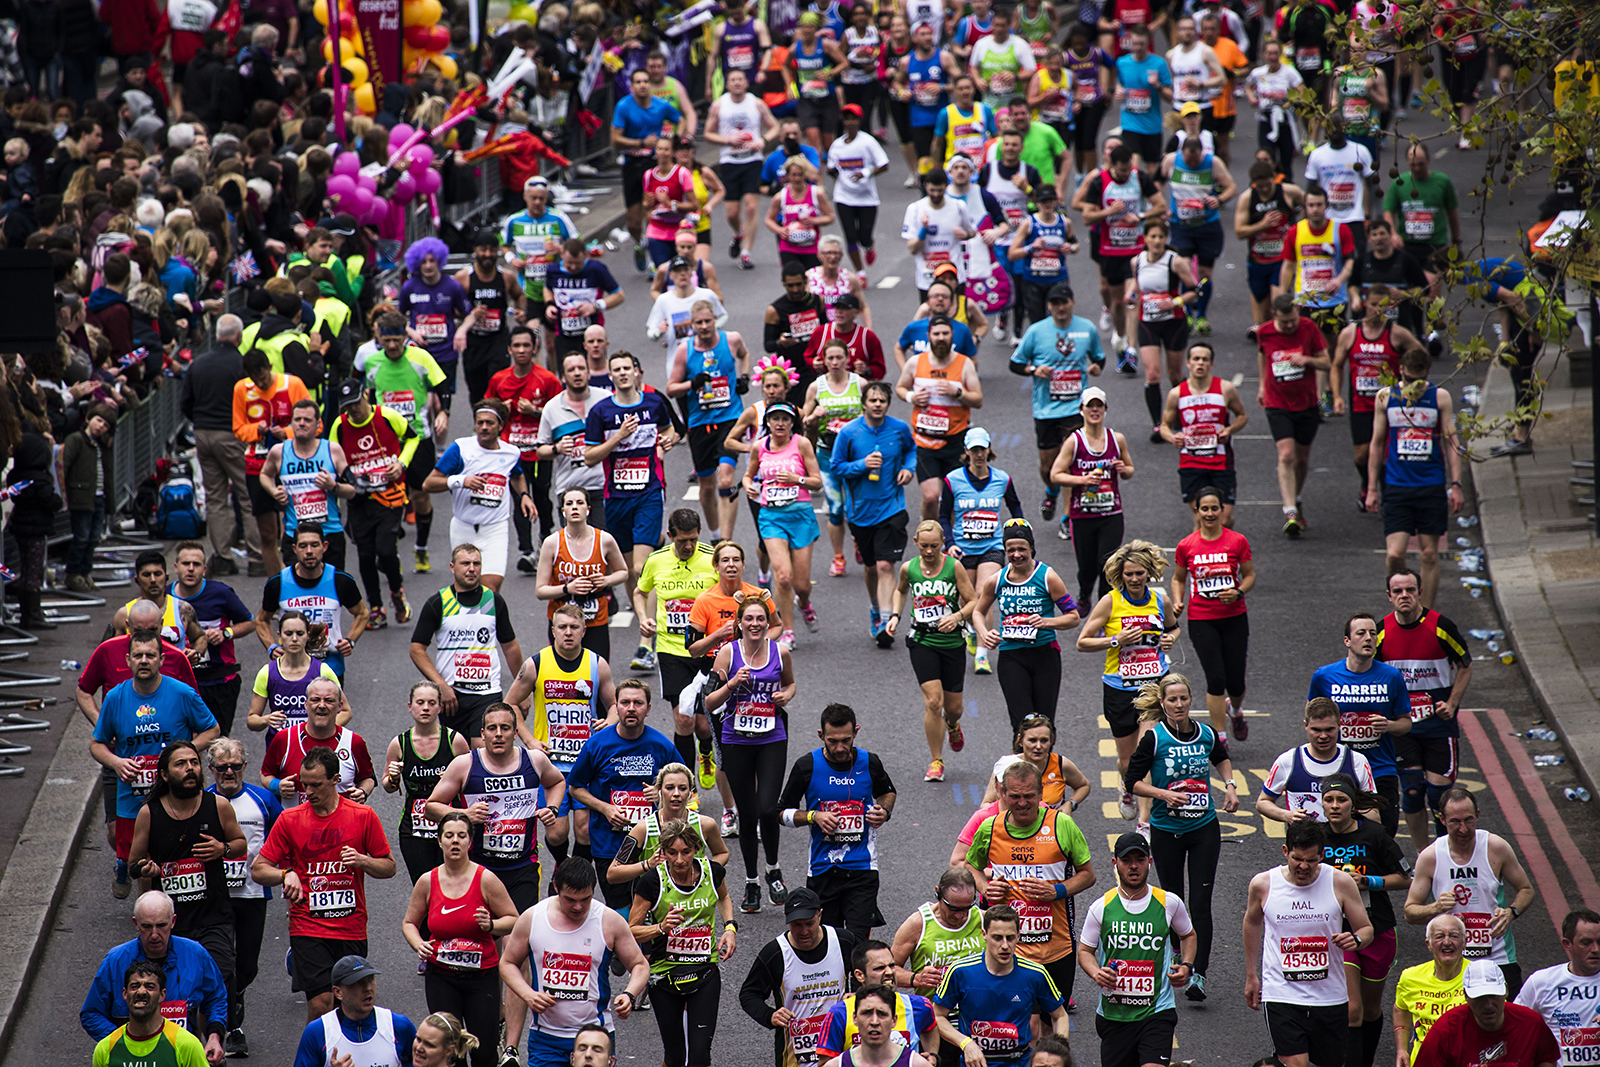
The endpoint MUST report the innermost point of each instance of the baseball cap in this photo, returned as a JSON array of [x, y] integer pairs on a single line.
[[1190, 108], [1129, 843], [851, 109], [1060, 291], [1045, 192], [680, 263], [1483, 978], [1094, 392], [977, 437], [848, 300], [780, 408], [351, 391], [802, 904], [344, 225], [351, 969]]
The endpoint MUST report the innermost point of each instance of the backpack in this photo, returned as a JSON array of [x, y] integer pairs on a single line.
[[177, 517]]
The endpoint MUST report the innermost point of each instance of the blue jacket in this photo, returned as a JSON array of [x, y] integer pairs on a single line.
[[192, 976], [313, 1050], [871, 502]]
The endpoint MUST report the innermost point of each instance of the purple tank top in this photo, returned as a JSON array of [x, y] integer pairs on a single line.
[[750, 717], [741, 47], [289, 697], [1103, 497], [1085, 72]]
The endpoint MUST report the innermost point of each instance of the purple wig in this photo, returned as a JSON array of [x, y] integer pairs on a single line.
[[427, 246]]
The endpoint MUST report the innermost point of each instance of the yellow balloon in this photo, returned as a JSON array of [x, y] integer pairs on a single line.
[[409, 55], [446, 65], [365, 101], [357, 69], [422, 12], [347, 49], [320, 11], [524, 12]]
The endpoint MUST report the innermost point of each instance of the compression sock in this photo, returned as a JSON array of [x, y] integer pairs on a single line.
[[707, 744], [424, 527], [1153, 400], [1203, 301], [558, 853], [684, 743], [1371, 1031], [582, 850], [1361, 472], [1354, 1045]]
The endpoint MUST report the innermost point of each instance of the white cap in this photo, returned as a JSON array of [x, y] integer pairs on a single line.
[[1483, 978], [1094, 392], [977, 437]]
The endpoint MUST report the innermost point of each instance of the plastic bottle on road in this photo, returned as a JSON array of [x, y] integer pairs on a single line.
[[1578, 793], [71, 665]]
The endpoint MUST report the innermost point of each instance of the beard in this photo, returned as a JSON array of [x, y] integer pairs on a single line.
[[186, 788]]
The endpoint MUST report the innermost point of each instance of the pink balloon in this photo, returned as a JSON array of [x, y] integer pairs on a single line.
[[341, 185], [429, 181], [421, 158], [401, 133], [346, 163], [367, 182], [360, 202], [405, 188], [378, 211]]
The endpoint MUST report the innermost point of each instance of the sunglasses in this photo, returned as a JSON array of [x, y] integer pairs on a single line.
[[227, 768]]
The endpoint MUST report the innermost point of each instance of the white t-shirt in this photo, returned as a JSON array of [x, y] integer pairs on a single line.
[[671, 314], [1190, 67], [940, 245], [856, 161], [930, 12], [1335, 170], [1277, 783], [1273, 87], [1177, 916], [1568, 1004]]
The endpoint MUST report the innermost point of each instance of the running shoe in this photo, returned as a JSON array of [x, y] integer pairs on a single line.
[[1300, 509], [1202, 326], [953, 735], [859, 560], [861, 276], [1155, 435], [1016, 340], [910, 182], [808, 612], [980, 661], [639, 263], [1000, 335], [1127, 807], [1239, 724], [872, 255], [735, 246], [1128, 362], [1105, 320], [746, 261], [708, 768], [1512, 448], [935, 771], [508, 1057], [1047, 506], [885, 638], [972, 639], [763, 577], [874, 620], [644, 659], [1292, 526], [786, 640], [377, 619], [235, 1046], [752, 897], [402, 607], [527, 563], [1196, 990], [421, 566], [1064, 529], [777, 891], [836, 568], [644, 1001], [1463, 145], [1325, 403], [730, 822], [1142, 829]]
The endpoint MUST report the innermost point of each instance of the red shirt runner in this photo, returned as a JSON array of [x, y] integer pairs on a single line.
[[334, 898], [1213, 566], [1289, 385]]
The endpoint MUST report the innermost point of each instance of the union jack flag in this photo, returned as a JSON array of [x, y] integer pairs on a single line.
[[244, 267], [7, 574], [12, 490]]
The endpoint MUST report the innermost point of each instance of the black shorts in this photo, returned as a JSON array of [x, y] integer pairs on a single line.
[[677, 672], [1429, 256], [849, 898], [566, 345], [1319, 1031], [740, 179], [1147, 146], [1209, 120], [1421, 510], [1300, 425], [922, 140], [422, 463], [1119, 710], [938, 462], [522, 883], [708, 446], [1437, 755], [1387, 786], [1172, 335], [1192, 480], [468, 719], [1361, 427], [312, 960], [997, 556], [1133, 1043], [1050, 434], [883, 543], [822, 114], [1086, 125], [1115, 270], [1202, 242], [218, 941], [946, 665], [261, 501], [633, 170], [900, 115]]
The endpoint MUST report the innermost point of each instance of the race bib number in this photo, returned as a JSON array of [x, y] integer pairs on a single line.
[[1018, 628], [1140, 662], [690, 943], [1479, 943], [144, 773], [1414, 443], [1065, 384], [1192, 211], [472, 670], [1421, 706], [631, 473], [677, 617], [1355, 110], [1136, 982], [570, 726], [565, 975], [1002, 81], [1368, 384], [331, 903], [460, 953], [996, 1037], [1035, 923], [176, 1011], [433, 328], [1419, 222], [814, 89], [1342, 194], [1197, 798], [421, 825], [933, 421], [927, 610], [184, 880], [1044, 262], [1285, 369], [980, 523], [523, 435], [1136, 101], [1213, 583], [1305, 959], [802, 236], [1308, 57], [1355, 731], [778, 494], [755, 718], [1580, 1044], [1155, 307], [237, 873], [741, 57], [490, 323], [927, 93], [491, 494], [633, 804], [852, 818], [804, 1035], [716, 393], [802, 324], [401, 403], [1200, 439]]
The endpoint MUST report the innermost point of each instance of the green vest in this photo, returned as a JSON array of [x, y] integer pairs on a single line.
[[932, 599], [693, 942], [1138, 941], [173, 1046], [401, 387], [939, 946]]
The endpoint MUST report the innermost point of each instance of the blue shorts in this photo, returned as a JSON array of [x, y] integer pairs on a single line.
[[1263, 276], [635, 519], [795, 523], [1202, 242], [547, 1050]]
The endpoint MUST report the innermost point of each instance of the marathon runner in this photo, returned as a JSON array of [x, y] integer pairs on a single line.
[[1197, 422], [412, 766], [798, 212], [781, 476], [1092, 73], [856, 159], [469, 624], [803, 970], [1034, 607], [741, 124], [1319, 256], [1144, 85], [1386, 262], [1286, 348], [865, 449], [939, 933], [223, 617], [1197, 218], [149, 1036], [525, 388], [1264, 219], [1374, 707], [942, 387], [483, 476], [969, 512], [578, 564], [278, 698], [498, 303], [1094, 462], [831, 401], [675, 574], [434, 303], [279, 767], [922, 75], [1159, 291], [581, 289], [1036, 253], [379, 443], [1431, 988], [308, 487], [1212, 571], [934, 229], [1372, 347], [263, 402], [1116, 201], [986, 1003], [641, 846], [906, 1021], [562, 425], [1292, 790], [1565, 993], [714, 385], [1058, 355], [1486, 1022]]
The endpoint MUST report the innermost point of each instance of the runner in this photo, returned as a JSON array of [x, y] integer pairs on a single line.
[[501, 787], [1431, 988], [498, 302], [640, 851], [1343, 169], [942, 387], [532, 238], [1421, 207], [896, 46], [562, 424], [833, 284], [1144, 84], [877, 1026], [1115, 202], [814, 63], [1036, 253], [1297, 915], [320, 591], [1188, 172], [803, 971], [1356, 92], [581, 289], [413, 764], [1562, 993], [740, 43], [356, 779], [379, 443], [966, 321], [684, 914], [1265, 218], [669, 198], [1224, 110], [1000, 61], [1374, 707], [1094, 461], [855, 160], [1285, 348], [434, 304], [1162, 287], [715, 389], [748, 429], [1177, 754], [673, 308], [1058, 355], [922, 75], [577, 564], [278, 698], [938, 934], [1486, 1020], [862, 42], [263, 402], [831, 402], [483, 475], [1267, 88], [708, 193], [1135, 625], [469, 624], [864, 449], [1092, 73], [1319, 257], [1467, 872], [1135, 1015], [525, 388], [1212, 572], [459, 956], [1034, 607], [1063, 782], [222, 617], [1372, 360], [1292, 790], [784, 476], [934, 228], [975, 1013], [1386, 262], [148, 1035], [969, 512], [798, 212], [793, 322], [305, 476], [674, 575], [941, 598], [342, 841]]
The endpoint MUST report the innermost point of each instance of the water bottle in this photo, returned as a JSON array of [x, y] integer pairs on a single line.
[[1466, 522], [1494, 646], [71, 665], [1540, 733], [1469, 396], [1477, 583], [1508, 657], [1464, 542], [1486, 635], [872, 475], [1578, 793], [1549, 761]]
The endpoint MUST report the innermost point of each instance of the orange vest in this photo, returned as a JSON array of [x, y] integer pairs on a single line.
[[1046, 926], [596, 607], [938, 424]]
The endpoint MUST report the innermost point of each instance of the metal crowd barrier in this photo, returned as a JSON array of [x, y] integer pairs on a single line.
[[143, 436]]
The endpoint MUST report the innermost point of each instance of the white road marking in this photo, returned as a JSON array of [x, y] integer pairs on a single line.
[[622, 620], [888, 282]]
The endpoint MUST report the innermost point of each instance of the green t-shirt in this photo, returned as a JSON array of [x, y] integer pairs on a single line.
[[676, 582], [173, 1046], [1419, 208], [931, 600], [1040, 150], [403, 384]]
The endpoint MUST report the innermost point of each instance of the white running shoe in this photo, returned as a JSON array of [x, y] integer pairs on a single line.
[[1105, 320], [1127, 807]]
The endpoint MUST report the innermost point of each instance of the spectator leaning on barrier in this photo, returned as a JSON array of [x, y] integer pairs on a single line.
[[86, 471]]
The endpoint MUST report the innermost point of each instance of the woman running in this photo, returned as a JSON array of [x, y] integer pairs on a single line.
[[969, 512], [1035, 22], [682, 917], [708, 193], [1134, 625], [1029, 594], [464, 907], [1094, 461], [941, 597], [896, 46], [669, 196], [1091, 71], [1211, 573], [815, 62], [1159, 292], [1176, 754], [797, 214], [861, 44], [640, 850], [414, 762], [442, 1041], [782, 474], [278, 699], [578, 563], [1038, 253], [754, 684], [831, 401]]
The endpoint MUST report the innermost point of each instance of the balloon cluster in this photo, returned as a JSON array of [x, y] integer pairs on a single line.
[[355, 192], [425, 39], [424, 42]]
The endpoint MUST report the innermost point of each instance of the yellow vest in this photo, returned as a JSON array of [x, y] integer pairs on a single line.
[[171, 625]]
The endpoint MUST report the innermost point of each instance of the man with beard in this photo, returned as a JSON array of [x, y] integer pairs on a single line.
[[942, 387], [181, 838], [498, 302], [144, 988]]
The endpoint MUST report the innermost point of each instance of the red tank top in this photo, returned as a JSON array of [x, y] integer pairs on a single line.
[[459, 943], [1100, 498], [1370, 361], [1200, 416]]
